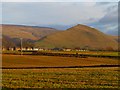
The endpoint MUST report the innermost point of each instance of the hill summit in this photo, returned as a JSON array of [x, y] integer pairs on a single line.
[[81, 36]]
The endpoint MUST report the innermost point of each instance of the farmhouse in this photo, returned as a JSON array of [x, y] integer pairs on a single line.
[[4, 49], [41, 49], [23, 48], [10, 48], [35, 49], [67, 49], [29, 49]]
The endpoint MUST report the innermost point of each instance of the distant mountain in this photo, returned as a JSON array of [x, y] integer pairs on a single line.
[[26, 32], [79, 36]]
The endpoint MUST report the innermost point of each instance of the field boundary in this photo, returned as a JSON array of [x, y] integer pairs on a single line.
[[67, 55], [74, 55], [95, 66]]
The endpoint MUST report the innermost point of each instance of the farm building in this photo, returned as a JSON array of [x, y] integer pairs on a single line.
[[67, 49]]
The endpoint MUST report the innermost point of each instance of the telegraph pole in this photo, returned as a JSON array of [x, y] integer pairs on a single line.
[[21, 45]]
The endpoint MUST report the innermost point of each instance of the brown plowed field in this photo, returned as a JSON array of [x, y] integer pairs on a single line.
[[53, 61]]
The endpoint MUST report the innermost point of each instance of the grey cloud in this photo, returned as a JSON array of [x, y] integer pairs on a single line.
[[109, 22], [109, 18]]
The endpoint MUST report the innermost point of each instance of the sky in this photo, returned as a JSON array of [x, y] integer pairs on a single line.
[[62, 14]]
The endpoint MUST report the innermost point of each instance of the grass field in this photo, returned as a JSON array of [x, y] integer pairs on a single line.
[[48, 61], [61, 78]]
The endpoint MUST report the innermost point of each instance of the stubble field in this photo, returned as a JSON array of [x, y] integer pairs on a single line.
[[102, 77], [61, 78]]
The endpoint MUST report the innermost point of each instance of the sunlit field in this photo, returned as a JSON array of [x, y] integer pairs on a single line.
[[108, 53], [59, 45], [106, 77], [53, 61], [61, 78]]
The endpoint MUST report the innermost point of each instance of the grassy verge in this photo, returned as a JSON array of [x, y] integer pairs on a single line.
[[15, 52], [108, 53], [104, 53], [61, 78]]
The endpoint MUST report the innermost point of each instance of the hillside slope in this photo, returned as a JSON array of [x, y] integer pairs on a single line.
[[79, 36], [7, 42], [26, 32]]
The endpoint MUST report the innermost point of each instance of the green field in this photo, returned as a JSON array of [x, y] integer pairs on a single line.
[[61, 78]]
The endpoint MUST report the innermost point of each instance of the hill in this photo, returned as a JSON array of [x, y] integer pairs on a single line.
[[26, 32], [11, 34], [7, 42], [115, 38], [79, 36]]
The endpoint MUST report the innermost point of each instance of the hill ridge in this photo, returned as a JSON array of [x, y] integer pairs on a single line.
[[81, 36], [27, 32], [78, 36]]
